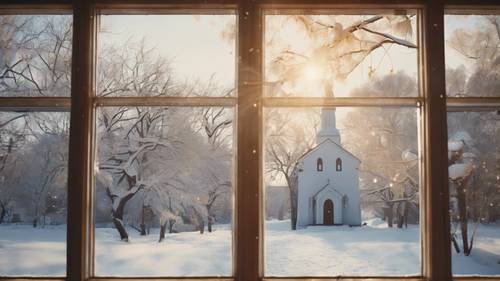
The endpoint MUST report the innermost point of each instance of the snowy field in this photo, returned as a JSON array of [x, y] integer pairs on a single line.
[[315, 251]]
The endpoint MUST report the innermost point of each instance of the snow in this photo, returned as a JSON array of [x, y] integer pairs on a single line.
[[459, 171], [485, 255], [341, 250], [373, 249], [455, 145], [25, 250], [408, 155], [463, 137], [180, 254]]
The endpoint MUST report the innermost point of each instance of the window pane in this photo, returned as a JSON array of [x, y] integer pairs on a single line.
[[166, 55], [35, 55], [472, 55], [33, 193], [317, 55], [355, 217], [474, 172], [164, 196]]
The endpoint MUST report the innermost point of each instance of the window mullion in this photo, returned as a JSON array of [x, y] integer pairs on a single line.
[[249, 176], [436, 235], [81, 132]]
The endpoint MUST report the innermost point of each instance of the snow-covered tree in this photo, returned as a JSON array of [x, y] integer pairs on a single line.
[[36, 51], [386, 141], [339, 44], [11, 138], [474, 161], [216, 124]]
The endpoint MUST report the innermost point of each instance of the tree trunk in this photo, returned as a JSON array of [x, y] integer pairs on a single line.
[[462, 214], [118, 220], [292, 187], [143, 229], [201, 225], [399, 212], [209, 223], [402, 214], [389, 214], [171, 226], [121, 229], [3, 213], [455, 244], [162, 231]]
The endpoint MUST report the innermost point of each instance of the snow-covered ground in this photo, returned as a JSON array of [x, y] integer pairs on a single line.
[[25, 250], [180, 254], [315, 251], [341, 250]]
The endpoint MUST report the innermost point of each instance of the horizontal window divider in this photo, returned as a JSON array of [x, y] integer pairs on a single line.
[[203, 9], [341, 102], [479, 6], [35, 103], [176, 6], [476, 278], [473, 103], [30, 278], [344, 278], [27, 7], [346, 7], [160, 279], [165, 101]]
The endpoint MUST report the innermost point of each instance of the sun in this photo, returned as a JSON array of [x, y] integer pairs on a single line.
[[312, 72]]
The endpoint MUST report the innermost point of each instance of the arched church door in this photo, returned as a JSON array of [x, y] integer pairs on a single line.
[[328, 212]]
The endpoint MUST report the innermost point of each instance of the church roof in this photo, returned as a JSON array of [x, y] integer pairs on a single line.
[[326, 142]]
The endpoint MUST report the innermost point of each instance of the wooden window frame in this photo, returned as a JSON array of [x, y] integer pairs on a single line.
[[248, 257]]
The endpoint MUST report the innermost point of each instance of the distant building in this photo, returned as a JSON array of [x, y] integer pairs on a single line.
[[328, 181]]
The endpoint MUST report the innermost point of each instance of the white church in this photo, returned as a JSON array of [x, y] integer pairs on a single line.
[[328, 182]]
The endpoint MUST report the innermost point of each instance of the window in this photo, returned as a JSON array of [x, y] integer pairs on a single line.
[[338, 165], [335, 54], [319, 165], [35, 84], [164, 174], [176, 140], [473, 131]]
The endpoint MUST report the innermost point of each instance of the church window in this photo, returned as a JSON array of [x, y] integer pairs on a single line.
[[319, 165], [338, 165]]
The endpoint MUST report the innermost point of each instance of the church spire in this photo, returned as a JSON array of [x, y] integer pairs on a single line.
[[328, 120]]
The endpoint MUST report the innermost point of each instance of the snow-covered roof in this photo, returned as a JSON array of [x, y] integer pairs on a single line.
[[325, 142]]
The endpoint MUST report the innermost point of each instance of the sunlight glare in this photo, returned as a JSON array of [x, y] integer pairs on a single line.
[[312, 72]]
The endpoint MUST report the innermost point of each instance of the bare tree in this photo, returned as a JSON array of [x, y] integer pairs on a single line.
[[286, 142]]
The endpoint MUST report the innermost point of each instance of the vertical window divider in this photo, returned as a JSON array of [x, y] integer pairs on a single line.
[[80, 169], [248, 265], [436, 242]]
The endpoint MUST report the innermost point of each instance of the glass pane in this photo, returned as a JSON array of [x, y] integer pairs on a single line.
[[472, 55], [317, 55], [33, 193], [164, 196], [342, 192], [35, 55], [474, 172], [166, 55]]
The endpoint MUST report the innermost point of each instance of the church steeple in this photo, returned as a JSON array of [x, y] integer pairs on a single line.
[[328, 121]]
